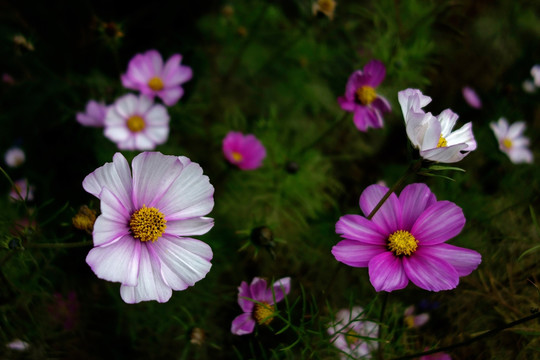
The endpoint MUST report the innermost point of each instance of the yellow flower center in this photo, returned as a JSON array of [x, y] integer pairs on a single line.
[[136, 123], [442, 142], [409, 321], [85, 219], [147, 224], [366, 94], [352, 337], [155, 83], [507, 143], [263, 313], [402, 243], [326, 6], [237, 157]]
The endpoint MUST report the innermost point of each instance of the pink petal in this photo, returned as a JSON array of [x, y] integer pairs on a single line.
[[150, 285], [346, 104], [259, 289], [243, 324], [386, 272], [355, 227], [118, 261], [463, 260], [374, 71], [153, 58], [428, 272], [354, 253], [170, 96], [438, 223], [414, 199], [381, 104], [244, 293], [362, 117], [189, 227], [388, 217], [281, 288]]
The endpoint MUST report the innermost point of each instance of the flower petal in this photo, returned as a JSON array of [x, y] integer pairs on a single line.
[[463, 135], [414, 199], [388, 217], [170, 96], [412, 99], [438, 223], [243, 324], [281, 287], [429, 272], [448, 120], [450, 154], [189, 227], [259, 289], [244, 293], [386, 272], [356, 227], [356, 254], [463, 260], [374, 71]]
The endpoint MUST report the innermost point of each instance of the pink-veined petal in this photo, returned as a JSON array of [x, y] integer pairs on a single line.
[[244, 293], [449, 154], [170, 96], [428, 272], [438, 223], [189, 227], [414, 199], [259, 289], [243, 324], [388, 217], [356, 254], [281, 287], [374, 71], [386, 272], [462, 259], [356, 227]]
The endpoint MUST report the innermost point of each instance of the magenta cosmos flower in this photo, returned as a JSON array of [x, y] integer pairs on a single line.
[[405, 240], [349, 331], [147, 74], [136, 123], [94, 115], [257, 303], [142, 238], [433, 136], [361, 99], [244, 151], [511, 140]]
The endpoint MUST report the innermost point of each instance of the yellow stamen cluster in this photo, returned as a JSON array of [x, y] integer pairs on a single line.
[[327, 7], [237, 157], [507, 143], [84, 219], [352, 337], [263, 313], [442, 142], [136, 123], [155, 84], [366, 94], [402, 242], [147, 224]]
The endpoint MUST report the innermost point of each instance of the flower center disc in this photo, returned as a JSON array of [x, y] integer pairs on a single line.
[[155, 83], [263, 313], [136, 123], [327, 6], [237, 156], [442, 142], [366, 94], [147, 224], [507, 143], [402, 243], [352, 337]]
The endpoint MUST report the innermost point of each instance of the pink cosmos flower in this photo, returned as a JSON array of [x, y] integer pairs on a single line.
[[94, 115], [433, 136], [346, 333], [405, 240], [14, 157], [21, 191], [136, 123], [471, 97], [141, 237], [412, 320], [257, 303], [511, 140], [361, 99], [147, 74], [244, 151]]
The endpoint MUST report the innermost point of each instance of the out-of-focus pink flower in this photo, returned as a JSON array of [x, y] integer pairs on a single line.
[[94, 115], [8, 79], [257, 303], [361, 99], [14, 157], [142, 237], [65, 310], [511, 140], [471, 97], [528, 86], [244, 151], [348, 332], [136, 123], [535, 72], [413, 320], [147, 74], [22, 191], [18, 345]]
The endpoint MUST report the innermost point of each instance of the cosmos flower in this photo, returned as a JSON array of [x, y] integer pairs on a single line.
[[511, 140], [361, 99], [21, 190], [14, 157], [257, 303], [346, 333], [535, 73], [141, 239], [244, 151], [136, 123], [471, 97], [413, 320], [94, 115], [147, 74], [326, 7], [406, 240], [433, 136]]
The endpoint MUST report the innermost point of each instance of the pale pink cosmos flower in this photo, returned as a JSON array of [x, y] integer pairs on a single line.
[[511, 140], [413, 320], [14, 157], [136, 123], [258, 303], [147, 74], [433, 136], [361, 99], [535, 72], [18, 345], [94, 114], [528, 86], [141, 238], [349, 331], [22, 191], [406, 240], [244, 151], [471, 97]]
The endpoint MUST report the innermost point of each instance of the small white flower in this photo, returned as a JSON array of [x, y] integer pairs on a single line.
[[14, 157], [511, 140], [535, 72]]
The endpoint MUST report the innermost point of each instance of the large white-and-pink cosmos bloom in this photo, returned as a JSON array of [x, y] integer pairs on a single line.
[[433, 135], [142, 238]]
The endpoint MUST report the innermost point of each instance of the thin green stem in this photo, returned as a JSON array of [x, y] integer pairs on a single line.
[[59, 245], [380, 352], [473, 339], [324, 133]]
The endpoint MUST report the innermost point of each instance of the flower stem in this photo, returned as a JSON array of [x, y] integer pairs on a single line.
[[381, 318], [473, 339], [59, 245], [324, 133]]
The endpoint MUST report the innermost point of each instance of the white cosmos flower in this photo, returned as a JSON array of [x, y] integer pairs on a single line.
[[433, 136], [511, 140]]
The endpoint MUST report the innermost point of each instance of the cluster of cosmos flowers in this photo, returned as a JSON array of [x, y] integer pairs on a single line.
[[151, 209]]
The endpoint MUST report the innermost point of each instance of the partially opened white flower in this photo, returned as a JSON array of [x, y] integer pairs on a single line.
[[511, 140], [433, 136]]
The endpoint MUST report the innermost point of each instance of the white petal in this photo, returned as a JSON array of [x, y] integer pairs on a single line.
[[126, 105], [189, 227], [432, 135], [448, 119], [463, 136]]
